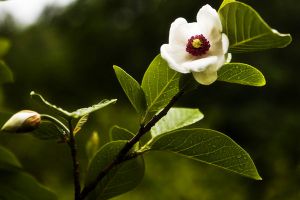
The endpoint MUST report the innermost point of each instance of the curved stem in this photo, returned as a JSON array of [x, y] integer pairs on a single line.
[[55, 121], [76, 170], [123, 153]]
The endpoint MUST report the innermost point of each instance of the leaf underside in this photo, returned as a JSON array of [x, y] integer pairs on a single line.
[[176, 118]]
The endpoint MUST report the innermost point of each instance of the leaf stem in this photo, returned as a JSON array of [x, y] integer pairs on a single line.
[[122, 156], [76, 170], [55, 121]]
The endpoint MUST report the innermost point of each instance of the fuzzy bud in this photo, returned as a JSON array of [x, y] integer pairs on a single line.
[[22, 122]]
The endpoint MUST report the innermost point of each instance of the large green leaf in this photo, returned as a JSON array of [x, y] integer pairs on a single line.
[[242, 74], [176, 118], [6, 75], [75, 114], [247, 31], [160, 84], [16, 184], [132, 89], [208, 146], [119, 180], [119, 133]]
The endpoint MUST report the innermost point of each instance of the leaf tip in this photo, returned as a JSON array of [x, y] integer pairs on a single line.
[[115, 67], [259, 178], [289, 39], [262, 83]]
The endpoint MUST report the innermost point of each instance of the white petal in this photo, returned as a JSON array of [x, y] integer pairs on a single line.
[[181, 31], [175, 36], [216, 47], [225, 43], [220, 63], [228, 58], [205, 77], [175, 56], [207, 16], [199, 65], [210, 75]]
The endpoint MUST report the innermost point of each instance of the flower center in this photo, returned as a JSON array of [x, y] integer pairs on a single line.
[[197, 45]]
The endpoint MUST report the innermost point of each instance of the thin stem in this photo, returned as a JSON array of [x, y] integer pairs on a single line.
[[122, 156], [76, 170]]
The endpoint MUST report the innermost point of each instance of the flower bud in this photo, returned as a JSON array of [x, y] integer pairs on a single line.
[[92, 144], [22, 122]]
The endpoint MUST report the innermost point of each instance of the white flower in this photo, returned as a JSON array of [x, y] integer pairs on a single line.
[[199, 47], [22, 122]]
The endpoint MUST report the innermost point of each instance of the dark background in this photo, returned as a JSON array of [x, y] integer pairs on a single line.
[[68, 56]]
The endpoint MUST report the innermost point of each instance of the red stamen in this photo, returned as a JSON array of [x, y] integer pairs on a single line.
[[203, 46]]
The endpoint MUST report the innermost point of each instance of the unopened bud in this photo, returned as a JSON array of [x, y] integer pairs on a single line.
[[93, 144], [22, 122]]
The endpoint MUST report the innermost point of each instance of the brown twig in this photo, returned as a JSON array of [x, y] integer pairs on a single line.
[[76, 170]]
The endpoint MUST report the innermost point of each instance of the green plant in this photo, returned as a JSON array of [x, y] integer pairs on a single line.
[[118, 166]]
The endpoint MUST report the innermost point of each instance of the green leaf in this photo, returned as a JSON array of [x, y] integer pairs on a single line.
[[160, 84], [176, 118], [247, 31], [225, 2], [119, 133], [242, 74], [120, 179], [6, 75], [48, 131], [18, 185], [208, 146], [132, 89], [80, 123], [76, 114]]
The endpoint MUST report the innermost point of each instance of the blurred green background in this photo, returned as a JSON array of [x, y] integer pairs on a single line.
[[68, 55]]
